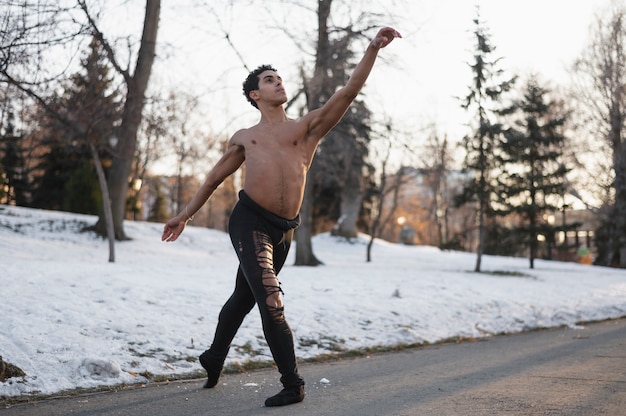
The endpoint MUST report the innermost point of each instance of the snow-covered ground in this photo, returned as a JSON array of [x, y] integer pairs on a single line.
[[71, 319]]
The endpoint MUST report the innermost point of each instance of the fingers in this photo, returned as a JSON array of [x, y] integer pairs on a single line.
[[172, 230], [396, 33], [390, 32], [169, 234], [169, 237], [386, 35]]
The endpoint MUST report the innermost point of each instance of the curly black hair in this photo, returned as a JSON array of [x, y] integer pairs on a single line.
[[252, 82]]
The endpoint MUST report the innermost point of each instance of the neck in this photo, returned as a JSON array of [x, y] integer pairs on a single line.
[[272, 115]]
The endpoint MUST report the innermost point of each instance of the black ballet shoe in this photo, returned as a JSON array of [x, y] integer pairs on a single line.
[[288, 395], [213, 367]]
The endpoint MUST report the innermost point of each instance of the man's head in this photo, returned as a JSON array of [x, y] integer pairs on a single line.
[[252, 82]]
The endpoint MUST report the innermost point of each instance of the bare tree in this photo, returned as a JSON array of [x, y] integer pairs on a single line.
[[34, 30], [378, 220], [318, 89], [83, 123], [601, 76], [167, 124], [136, 83], [436, 162]]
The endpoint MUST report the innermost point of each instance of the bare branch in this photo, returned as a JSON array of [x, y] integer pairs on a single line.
[[97, 33]]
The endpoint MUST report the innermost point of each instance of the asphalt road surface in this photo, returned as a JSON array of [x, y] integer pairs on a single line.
[[552, 372]]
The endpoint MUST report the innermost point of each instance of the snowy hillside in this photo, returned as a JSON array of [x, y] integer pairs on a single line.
[[70, 319]]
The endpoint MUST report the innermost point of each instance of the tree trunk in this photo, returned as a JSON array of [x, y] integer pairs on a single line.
[[304, 245], [533, 247], [106, 201], [351, 197], [481, 236], [379, 211], [137, 84], [619, 163]]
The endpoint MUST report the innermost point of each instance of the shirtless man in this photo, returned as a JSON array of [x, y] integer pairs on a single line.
[[278, 152]]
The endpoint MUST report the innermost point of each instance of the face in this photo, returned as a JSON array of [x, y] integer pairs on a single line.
[[271, 88]]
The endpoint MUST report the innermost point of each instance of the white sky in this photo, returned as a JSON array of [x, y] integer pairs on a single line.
[[542, 36], [421, 74], [70, 319], [415, 82]]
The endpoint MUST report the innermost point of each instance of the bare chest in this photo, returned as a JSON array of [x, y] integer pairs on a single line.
[[277, 146]]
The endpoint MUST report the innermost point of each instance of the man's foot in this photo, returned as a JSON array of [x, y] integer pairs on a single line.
[[288, 395], [213, 366]]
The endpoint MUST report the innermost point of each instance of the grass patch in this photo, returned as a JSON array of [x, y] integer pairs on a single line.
[[507, 273], [152, 353], [248, 349], [324, 342]]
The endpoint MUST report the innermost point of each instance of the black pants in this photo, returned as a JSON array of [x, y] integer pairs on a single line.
[[261, 240]]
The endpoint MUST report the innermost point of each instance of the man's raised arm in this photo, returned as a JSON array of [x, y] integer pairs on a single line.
[[326, 117]]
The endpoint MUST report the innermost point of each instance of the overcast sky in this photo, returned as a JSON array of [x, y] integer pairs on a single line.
[[415, 82]]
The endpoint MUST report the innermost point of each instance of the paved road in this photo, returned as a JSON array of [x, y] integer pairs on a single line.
[[554, 372]]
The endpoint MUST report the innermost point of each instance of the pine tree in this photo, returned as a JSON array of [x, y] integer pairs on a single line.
[[532, 158], [58, 165], [67, 183], [484, 97], [15, 186], [82, 191]]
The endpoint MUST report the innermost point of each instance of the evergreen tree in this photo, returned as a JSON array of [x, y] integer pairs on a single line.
[[534, 173], [68, 181], [484, 98], [15, 186], [58, 165], [82, 183]]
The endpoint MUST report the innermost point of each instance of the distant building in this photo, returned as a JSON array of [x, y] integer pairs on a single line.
[[420, 210], [419, 207]]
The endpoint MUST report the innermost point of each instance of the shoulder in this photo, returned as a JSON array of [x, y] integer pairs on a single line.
[[242, 138], [239, 137], [236, 144]]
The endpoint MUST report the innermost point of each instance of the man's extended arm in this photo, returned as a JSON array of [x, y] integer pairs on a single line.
[[229, 163], [326, 117]]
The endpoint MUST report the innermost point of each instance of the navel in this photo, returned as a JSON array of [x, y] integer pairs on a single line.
[[253, 141], [295, 142]]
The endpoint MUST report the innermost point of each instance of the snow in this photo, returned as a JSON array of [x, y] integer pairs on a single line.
[[70, 319]]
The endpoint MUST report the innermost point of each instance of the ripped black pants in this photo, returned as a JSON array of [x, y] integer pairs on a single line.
[[261, 240]]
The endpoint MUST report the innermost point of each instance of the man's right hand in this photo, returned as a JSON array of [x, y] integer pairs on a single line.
[[173, 228], [385, 36]]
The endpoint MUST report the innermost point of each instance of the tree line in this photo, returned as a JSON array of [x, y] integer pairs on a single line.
[[85, 140]]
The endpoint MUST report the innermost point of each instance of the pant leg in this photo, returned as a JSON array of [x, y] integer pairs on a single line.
[[240, 302], [231, 316], [291, 377], [262, 250]]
